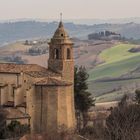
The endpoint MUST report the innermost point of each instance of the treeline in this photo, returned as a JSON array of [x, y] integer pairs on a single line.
[[104, 35], [37, 51], [39, 47], [15, 59]]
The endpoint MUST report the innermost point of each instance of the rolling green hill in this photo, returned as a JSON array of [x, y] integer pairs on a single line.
[[113, 90], [117, 53], [117, 61]]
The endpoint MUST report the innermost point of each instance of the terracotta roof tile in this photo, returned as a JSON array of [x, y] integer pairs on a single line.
[[52, 82], [41, 74], [18, 68]]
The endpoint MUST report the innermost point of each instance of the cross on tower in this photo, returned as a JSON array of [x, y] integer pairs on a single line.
[[61, 17]]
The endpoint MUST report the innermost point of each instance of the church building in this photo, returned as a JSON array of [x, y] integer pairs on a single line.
[[43, 97]]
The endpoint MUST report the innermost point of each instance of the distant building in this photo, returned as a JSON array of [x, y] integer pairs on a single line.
[[44, 97]]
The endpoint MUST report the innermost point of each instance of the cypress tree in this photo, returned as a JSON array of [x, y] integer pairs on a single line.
[[83, 99]]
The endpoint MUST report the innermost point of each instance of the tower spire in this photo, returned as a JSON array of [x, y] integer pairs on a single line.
[[60, 23], [61, 17]]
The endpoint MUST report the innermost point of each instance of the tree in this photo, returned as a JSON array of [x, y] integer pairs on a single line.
[[137, 96], [123, 122], [83, 98], [16, 129], [2, 123]]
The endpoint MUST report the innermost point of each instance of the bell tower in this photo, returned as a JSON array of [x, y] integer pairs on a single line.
[[61, 54], [52, 99]]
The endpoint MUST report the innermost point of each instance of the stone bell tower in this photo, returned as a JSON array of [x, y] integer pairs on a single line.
[[61, 54], [61, 61]]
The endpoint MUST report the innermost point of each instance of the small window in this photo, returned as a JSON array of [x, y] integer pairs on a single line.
[[56, 54], [68, 54], [62, 35]]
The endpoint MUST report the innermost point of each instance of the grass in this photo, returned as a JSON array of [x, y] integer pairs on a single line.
[[114, 96], [101, 90], [117, 53], [118, 61], [115, 69]]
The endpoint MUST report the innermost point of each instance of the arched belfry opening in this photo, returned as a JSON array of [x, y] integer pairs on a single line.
[[61, 53], [68, 53], [56, 54]]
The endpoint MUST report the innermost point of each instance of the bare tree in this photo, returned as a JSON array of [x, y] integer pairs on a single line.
[[2, 122], [123, 122]]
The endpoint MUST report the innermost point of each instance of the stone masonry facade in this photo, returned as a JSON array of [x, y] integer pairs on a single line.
[[43, 97]]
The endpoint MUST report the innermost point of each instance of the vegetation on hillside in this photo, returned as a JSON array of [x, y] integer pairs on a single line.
[[117, 61], [119, 73], [137, 96], [121, 124], [13, 130], [2, 123], [105, 35], [83, 99], [13, 31]]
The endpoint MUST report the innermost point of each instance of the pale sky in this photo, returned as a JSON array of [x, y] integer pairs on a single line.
[[71, 9]]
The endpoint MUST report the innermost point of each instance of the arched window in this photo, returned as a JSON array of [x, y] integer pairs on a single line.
[[56, 54], [68, 54]]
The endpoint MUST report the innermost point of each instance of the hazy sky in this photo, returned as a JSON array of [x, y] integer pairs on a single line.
[[71, 9]]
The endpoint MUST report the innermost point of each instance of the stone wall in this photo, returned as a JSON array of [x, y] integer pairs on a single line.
[[4, 95], [44, 108], [30, 93], [7, 91], [68, 71], [19, 95], [52, 108], [66, 112], [10, 78]]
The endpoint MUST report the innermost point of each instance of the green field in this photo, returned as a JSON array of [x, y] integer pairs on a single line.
[[117, 61], [117, 53], [114, 96], [103, 91]]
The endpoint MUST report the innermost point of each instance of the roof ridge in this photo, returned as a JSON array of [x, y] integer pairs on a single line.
[[52, 81]]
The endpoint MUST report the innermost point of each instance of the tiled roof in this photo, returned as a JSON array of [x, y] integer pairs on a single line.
[[41, 74], [61, 36], [52, 82], [17, 68]]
